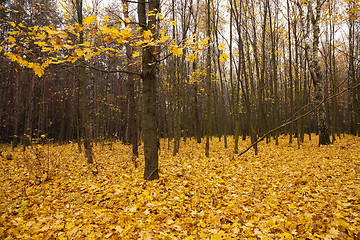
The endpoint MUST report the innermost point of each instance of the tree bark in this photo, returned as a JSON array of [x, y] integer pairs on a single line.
[[149, 78], [84, 110], [132, 131], [291, 128], [318, 81]]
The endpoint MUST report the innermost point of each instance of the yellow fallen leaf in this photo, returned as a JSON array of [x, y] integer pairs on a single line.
[[334, 232]]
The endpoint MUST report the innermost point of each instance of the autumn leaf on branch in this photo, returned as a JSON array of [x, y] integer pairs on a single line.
[[175, 50]]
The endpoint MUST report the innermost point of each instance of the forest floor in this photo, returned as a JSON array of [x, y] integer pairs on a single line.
[[49, 192]]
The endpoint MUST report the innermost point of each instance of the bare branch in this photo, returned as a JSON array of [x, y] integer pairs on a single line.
[[296, 119]]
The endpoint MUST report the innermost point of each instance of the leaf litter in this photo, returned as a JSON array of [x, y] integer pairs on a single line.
[[49, 192]]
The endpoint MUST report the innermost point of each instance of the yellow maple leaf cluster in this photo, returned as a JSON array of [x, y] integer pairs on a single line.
[[175, 50]]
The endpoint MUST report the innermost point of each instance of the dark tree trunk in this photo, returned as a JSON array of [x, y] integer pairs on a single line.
[[84, 110], [149, 78], [132, 132]]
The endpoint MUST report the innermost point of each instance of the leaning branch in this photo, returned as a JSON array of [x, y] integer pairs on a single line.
[[113, 71], [296, 119]]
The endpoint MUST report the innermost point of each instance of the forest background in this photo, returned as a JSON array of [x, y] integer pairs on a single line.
[[192, 85], [72, 71]]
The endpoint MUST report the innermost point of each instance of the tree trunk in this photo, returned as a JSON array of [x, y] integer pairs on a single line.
[[291, 108], [274, 75], [132, 131], [208, 85], [176, 93], [318, 81], [84, 110], [149, 78], [16, 109]]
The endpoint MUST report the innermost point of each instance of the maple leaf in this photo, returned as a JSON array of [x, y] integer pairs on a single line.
[[38, 69], [67, 47], [106, 18], [40, 44], [41, 35], [192, 58], [221, 46], [147, 35], [126, 33], [11, 39], [334, 232], [175, 50], [136, 54], [223, 57], [204, 41], [79, 52], [89, 19], [164, 38]]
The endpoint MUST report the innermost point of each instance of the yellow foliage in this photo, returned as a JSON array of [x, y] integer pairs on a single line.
[[41, 36], [79, 52], [164, 38], [221, 46], [223, 57], [147, 35], [192, 58], [106, 18], [88, 20], [38, 69], [11, 39], [41, 44], [282, 193], [175, 50], [204, 41], [126, 33], [136, 54]]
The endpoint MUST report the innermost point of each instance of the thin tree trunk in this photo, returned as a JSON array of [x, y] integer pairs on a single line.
[[176, 93], [274, 77], [234, 89], [208, 84], [291, 127], [17, 110], [84, 110], [132, 108]]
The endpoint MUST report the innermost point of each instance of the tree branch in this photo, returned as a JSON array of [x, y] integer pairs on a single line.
[[296, 119], [112, 71]]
